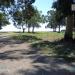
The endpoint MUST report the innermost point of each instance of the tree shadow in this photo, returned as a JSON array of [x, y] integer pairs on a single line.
[[55, 65], [18, 40], [41, 64], [9, 41], [45, 72], [60, 48], [27, 38]]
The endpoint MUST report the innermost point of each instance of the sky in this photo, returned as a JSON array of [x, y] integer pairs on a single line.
[[43, 5]]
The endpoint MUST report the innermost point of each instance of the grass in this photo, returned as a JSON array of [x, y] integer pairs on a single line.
[[7, 33], [47, 43], [41, 35], [36, 40]]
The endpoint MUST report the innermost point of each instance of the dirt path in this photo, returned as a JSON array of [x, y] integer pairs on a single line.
[[18, 58]]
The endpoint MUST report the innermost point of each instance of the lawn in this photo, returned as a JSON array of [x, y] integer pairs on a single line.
[[47, 43], [51, 36], [41, 53]]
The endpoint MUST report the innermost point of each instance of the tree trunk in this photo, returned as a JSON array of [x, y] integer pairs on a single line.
[[59, 28], [23, 29], [69, 28], [28, 29], [0, 26], [33, 29]]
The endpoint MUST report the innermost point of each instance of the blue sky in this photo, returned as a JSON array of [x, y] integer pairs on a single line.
[[43, 5]]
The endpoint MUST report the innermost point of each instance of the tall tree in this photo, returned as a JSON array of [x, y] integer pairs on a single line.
[[54, 20], [18, 21], [51, 20], [35, 20], [23, 10], [64, 7], [21, 17]]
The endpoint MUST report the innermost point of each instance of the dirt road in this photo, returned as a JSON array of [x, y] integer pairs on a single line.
[[18, 58]]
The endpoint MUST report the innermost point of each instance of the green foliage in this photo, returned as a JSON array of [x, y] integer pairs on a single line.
[[3, 20], [35, 20], [54, 19], [42, 35], [26, 38], [64, 6], [6, 3], [44, 19], [26, 1], [21, 17], [14, 9], [29, 12], [17, 15]]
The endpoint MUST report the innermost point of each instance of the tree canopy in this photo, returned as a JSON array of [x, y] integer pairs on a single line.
[[17, 10], [54, 20], [3, 20], [64, 6]]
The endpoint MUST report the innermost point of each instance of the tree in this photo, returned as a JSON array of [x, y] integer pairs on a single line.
[[64, 7], [18, 21], [54, 20], [6, 3], [51, 20], [59, 20], [44, 18], [35, 20], [21, 17], [29, 13], [22, 11], [10, 7], [3, 20]]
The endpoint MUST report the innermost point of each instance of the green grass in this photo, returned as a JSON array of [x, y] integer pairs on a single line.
[[35, 39], [40, 35], [47, 43]]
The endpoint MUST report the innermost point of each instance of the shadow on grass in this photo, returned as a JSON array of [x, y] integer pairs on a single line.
[[18, 40], [26, 38], [41, 64], [60, 48], [9, 41]]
